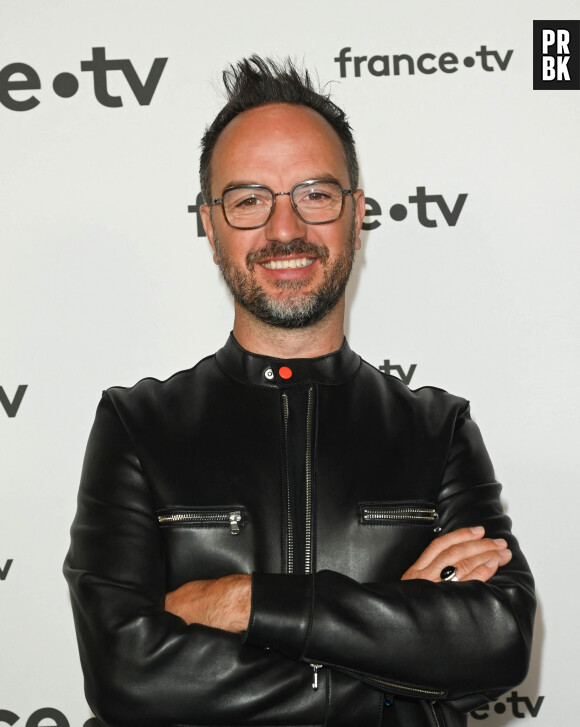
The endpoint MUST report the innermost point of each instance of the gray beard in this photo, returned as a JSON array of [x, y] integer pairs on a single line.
[[292, 311]]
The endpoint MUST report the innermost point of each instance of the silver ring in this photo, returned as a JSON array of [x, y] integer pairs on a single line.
[[449, 573]]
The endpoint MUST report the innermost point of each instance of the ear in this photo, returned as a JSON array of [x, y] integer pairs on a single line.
[[359, 214], [205, 212]]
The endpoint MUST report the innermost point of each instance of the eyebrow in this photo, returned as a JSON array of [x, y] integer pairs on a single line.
[[314, 177]]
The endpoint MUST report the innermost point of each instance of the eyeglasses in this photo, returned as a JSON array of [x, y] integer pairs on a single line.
[[249, 206]]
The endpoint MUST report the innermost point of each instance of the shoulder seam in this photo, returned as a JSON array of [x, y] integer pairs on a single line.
[[159, 381]]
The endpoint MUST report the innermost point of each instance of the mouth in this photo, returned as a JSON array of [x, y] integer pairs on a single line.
[[289, 256], [288, 264]]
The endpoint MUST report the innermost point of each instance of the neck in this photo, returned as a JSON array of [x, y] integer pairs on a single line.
[[319, 339]]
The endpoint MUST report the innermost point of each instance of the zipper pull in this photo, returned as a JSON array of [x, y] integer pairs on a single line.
[[235, 518], [315, 668]]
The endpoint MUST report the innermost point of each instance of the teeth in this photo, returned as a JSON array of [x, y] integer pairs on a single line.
[[301, 262]]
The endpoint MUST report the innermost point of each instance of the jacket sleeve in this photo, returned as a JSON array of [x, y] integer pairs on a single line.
[[461, 642], [142, 665]]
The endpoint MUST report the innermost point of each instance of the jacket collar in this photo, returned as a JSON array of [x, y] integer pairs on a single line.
[[258, 370]]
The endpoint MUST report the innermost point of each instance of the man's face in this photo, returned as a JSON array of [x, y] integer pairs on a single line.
[[287, 273]]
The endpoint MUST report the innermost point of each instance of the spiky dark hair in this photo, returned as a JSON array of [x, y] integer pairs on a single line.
[[257, 81]]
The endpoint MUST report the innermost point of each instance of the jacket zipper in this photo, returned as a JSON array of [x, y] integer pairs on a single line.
[[395, 687], [409, 690], [233, 518], [290, 560], [308, 503], [398, 513], [308, 471], [308, 510], [432, 704]]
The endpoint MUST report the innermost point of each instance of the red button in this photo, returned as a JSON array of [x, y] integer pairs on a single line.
[[285, 372]]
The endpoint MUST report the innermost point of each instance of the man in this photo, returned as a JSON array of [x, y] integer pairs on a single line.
[[283, 535]]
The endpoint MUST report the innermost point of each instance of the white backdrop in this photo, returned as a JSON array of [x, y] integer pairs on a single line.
[[103, 278]]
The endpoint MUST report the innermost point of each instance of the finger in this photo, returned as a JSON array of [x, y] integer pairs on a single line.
[[467, 567], [442, 543], [483, 572], [464, 557], [460, 552]]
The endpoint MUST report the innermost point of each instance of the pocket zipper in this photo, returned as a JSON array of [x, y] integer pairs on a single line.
[[315, 668], [398, 513], [233, 518]]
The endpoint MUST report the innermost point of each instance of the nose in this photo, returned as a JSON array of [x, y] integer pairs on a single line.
[[284, 225]]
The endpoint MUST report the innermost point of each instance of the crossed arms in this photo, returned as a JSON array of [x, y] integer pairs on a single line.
[[225, 603], [152, 658]]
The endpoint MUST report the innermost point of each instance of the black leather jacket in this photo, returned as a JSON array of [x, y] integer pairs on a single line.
[[189, 479]]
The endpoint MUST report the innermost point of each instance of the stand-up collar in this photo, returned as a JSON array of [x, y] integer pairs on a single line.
[[258, 370]]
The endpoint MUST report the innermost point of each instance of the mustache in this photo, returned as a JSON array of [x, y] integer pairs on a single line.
[[282, 249]]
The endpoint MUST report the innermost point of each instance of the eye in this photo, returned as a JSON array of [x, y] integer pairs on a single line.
[[315, 196], [242, 199], [322, 194], [252, 201]]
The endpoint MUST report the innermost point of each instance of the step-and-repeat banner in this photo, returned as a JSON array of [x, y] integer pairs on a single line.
[[467, 280]]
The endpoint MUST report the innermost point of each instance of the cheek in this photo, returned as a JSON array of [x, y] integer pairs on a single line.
[[339, 242], [236, 244]]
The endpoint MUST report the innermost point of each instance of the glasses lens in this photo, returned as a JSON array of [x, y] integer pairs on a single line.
[[247, 206], [318, 201]]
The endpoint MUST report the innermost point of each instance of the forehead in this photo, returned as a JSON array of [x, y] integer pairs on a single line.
[[278, 144]]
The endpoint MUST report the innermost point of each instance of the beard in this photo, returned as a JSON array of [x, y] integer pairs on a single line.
[[294, 308]]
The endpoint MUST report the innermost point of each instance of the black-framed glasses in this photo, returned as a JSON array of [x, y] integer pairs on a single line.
[[248, 206]]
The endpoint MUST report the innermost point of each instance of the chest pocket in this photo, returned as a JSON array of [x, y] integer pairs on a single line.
[[396, 533], [205, 542], [379, 541]]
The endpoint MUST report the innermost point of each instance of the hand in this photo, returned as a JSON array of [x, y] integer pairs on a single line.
[[223, 603], [475, 557]]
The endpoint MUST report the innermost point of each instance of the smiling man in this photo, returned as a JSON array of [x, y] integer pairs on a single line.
[[286, 256], [282, 535]]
